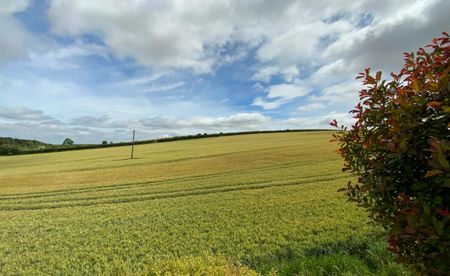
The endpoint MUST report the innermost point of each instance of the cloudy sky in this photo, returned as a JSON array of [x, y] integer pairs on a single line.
[[95, 70]]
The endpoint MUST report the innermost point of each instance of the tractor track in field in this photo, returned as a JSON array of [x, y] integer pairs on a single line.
[[146, 183], [174, 160], [153, 195]]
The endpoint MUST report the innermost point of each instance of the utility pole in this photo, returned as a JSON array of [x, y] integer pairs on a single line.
[[132, 145]]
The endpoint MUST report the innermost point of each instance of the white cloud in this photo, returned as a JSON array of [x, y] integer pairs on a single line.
[[144, 80], [23, 114], [287, 91], [60, 57], [28, 123], [265, 74], [194, 34], [364, 34], [290, 73], [12, 6], [236, 121], [258, 87], [344, 92], [280, 94], [228, 58], [393, 31], [165, 87], [311, 107], [322, 121], [269, 104], [337, 69], [56, 133], [329, 41], [91, 121], [175, 34], [15, 38], [294, 45], [156, 82]]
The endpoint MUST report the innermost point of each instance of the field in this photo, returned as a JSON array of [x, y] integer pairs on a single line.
[[237, 205]]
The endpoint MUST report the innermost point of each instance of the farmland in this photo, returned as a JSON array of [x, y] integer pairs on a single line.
[[248, 204]]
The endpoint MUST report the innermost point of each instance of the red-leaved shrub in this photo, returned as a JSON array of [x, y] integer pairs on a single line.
[[399, 150]]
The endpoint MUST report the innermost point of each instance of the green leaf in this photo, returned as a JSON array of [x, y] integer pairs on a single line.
[[433, 173], [447, 183], [442, 160], [438, 226], [417, 186]]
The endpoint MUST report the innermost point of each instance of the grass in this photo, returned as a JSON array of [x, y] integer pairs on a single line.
[[237, 205]]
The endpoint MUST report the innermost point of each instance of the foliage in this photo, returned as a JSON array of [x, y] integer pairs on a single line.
[[22, 143], [9, 150], [67, 142], [14, 146], [399, 147], [232, 204]]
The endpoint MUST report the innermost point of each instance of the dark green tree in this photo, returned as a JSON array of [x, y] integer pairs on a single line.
[[68, 142]]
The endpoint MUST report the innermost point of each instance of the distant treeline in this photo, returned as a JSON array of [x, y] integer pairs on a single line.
[[21, 142], [10, 146]]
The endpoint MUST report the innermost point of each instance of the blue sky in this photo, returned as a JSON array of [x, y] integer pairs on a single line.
[[95, 70]]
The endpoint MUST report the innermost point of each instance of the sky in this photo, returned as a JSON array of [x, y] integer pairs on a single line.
[[96, 70]]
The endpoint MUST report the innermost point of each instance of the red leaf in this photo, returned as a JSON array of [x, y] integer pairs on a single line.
[[378, 76], [434, 104], [333, 123]]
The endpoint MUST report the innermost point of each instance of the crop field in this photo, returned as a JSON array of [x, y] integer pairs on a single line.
[[236, 205]]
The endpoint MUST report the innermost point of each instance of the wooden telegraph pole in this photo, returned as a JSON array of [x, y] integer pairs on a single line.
[[132, 145]]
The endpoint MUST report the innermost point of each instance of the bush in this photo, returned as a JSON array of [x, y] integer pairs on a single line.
[[399, 149]]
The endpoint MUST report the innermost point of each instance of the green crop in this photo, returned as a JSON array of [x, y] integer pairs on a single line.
[[237, 205]]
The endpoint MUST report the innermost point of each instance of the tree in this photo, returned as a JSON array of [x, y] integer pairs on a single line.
[[6, 149], [68, 142], [399, 149], [105, 143]]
